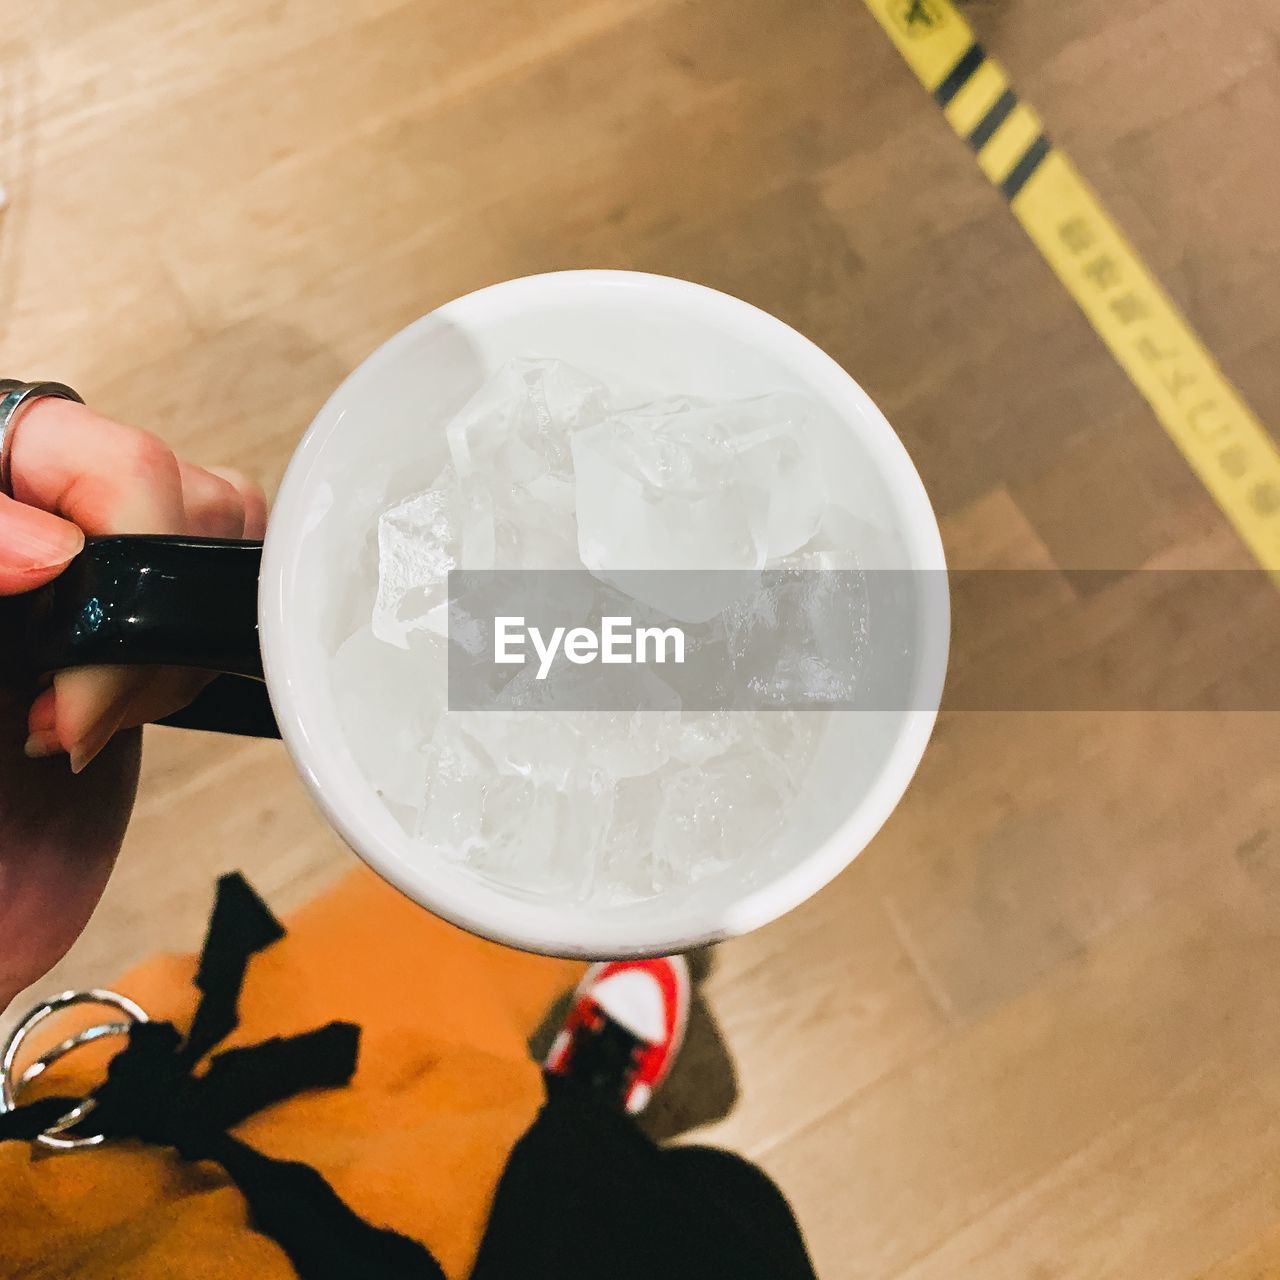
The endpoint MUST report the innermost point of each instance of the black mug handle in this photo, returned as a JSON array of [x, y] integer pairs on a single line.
[[144, 600]]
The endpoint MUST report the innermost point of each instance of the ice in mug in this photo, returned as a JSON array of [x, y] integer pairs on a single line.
[[547, 472]]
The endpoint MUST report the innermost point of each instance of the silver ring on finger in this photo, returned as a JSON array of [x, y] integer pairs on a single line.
[[15, 396]]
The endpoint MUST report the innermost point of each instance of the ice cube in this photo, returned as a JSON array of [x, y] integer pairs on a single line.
[[544, 839], [688, 821], [507, 500], [450, 801], [781, 454], [705, 679], [835, 544], [520, 832], [516, 428], [688, 484], [624, 871], [657, 491], [388, 700], [531, 532], [790, 737], [530, 738], [801, 639], [703, 735], [714, 813], [447, 526]]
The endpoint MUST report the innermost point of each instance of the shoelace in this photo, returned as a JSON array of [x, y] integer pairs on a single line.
[[604, 1058]]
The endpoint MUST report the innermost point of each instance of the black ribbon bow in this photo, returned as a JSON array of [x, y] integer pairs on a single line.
[[152, 1094]]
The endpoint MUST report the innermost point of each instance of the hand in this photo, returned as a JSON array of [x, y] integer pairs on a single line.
[[62, 818]]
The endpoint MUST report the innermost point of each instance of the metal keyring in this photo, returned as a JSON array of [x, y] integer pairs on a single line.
[[14, 395], [9, 1090]]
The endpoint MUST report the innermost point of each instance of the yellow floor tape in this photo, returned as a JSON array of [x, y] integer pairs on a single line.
[[1205, 416]]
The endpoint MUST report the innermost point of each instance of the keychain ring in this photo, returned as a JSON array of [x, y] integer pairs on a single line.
[[10, 1089]]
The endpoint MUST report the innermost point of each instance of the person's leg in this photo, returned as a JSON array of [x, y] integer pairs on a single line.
[[750, 1202], [586, 1195]]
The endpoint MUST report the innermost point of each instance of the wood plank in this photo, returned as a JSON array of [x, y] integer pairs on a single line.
[[1031, 1031], [943, 1142]]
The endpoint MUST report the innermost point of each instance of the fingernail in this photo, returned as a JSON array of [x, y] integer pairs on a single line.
[[65, 545], [234, 477], [41, 745], [85, 750], [99, 735], [37, 540]]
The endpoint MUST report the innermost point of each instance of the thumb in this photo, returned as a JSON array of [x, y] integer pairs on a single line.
[[34, 546]]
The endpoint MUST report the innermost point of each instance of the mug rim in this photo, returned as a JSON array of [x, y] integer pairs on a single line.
[[520, 925]]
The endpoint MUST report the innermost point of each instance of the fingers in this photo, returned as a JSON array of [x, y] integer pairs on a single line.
[[57, 714], [213, 506], [255, 501], [222, 497], [81, 711], [42, 727], [34, 546], [104, 477], [169, 690], [108, 478], [73, 467]]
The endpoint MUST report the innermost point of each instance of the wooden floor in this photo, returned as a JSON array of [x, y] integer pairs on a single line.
[[1035, 1030]]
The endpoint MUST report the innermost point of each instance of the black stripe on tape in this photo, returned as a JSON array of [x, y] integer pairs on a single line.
[[960, 75], [1021, 172], [999, 113]]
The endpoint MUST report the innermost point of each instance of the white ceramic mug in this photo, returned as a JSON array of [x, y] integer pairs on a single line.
[[381, 435]]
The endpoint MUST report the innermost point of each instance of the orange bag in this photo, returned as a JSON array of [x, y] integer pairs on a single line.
[[416, 1142]]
